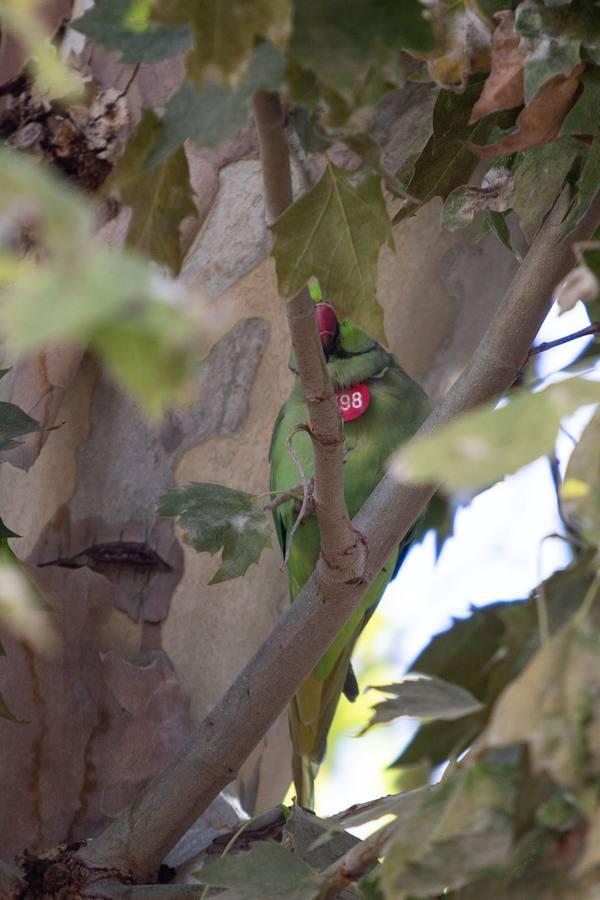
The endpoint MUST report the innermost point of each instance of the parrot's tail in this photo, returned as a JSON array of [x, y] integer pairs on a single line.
[[304, 772]]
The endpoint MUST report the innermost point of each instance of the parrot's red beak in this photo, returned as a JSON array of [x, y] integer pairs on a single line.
[[327, 324]]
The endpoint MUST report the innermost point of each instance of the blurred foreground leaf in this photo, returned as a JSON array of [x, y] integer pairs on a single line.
[[113, 25], [225, 33], [83, 292], [209, 117], [478, 448], [160, 198]]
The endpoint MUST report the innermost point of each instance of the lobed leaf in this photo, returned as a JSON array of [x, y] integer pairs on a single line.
[[423, 697], [319, 842], [218, 518], [334, 232], [539, 174], [215, 114], [462, 829], [225, 33], [584, 119], [349, 46], [160, 199], [487, 650], [89, 294], [265, 872], [446, 162], [114, 25], [479, 447]]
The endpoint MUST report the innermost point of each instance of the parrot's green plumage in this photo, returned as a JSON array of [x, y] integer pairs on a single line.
[[397, 407]]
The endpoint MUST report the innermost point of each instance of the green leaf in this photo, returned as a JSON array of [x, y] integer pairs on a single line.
[[265, 872], [5, 532], [314, 840], [160, 199], [464, 202], [584, 119], [217, 518], [446, 162], [553, 696], [553, 56], [577, 21], [497, 224], [539, 174], [210, 117], [111, 24], [63, 213], [152, 353], [344, 44], [477, 448], [463, 829], [69, 300], [225, 32], [485, 651], [439, 518], [334, 232], [14, 423], [423, 697], [110, 301], [581, 486]]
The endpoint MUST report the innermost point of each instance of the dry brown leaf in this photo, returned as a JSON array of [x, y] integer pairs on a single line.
[[504, 87], [539, 122]]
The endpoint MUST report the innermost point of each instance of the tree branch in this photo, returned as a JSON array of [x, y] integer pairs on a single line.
[[342, 550], [140, 837]]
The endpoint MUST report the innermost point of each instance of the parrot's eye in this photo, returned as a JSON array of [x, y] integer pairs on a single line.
[[327, 324]]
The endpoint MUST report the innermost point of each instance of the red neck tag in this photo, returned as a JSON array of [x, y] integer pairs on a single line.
[[353, 402]]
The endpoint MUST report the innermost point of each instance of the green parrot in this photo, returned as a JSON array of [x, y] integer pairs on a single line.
[[381, 407]]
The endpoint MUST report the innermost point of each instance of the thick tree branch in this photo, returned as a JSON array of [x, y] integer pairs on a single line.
[[139, 838], [342, 551]]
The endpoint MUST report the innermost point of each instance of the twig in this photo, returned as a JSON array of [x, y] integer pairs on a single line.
[[305, 490], [594, 328], [282, 497], [557, 484], [140, 837]]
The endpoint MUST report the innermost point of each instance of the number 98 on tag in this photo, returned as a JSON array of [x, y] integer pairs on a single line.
[[353, 402]]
